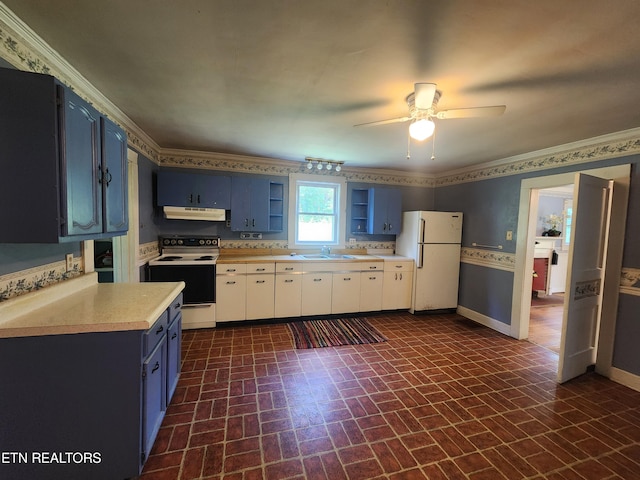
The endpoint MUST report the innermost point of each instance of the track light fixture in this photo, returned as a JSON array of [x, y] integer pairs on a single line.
[[321, 163]]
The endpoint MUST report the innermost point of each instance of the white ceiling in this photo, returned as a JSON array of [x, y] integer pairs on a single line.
[[289, 78]]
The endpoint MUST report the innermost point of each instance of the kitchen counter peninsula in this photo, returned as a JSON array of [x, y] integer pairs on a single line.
[[82, 305], [87, 372]]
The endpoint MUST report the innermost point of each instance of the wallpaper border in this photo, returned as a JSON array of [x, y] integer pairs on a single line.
[[25, 281]]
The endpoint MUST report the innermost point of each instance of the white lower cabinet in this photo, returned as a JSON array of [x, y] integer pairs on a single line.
[[345, 294], [371, 291], [231, 292], [252, 291], [260, 301], [316, 293], [288, 290], [397, 284]]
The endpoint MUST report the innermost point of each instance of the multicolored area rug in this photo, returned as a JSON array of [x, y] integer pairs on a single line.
[[334, 332]]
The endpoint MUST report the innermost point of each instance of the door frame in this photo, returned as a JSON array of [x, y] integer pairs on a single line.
[[525, 245], [125, 247]]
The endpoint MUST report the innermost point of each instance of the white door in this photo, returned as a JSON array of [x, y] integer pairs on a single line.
[[583, 297]]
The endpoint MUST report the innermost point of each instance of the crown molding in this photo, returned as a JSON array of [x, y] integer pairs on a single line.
[[614, 145], [272, 166]]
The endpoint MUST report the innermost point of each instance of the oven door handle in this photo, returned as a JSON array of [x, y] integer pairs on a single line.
[[199, 305]]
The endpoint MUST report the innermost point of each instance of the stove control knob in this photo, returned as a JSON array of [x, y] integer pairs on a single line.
[[201, 242], [173, 241], [208, 241], [180, 242]]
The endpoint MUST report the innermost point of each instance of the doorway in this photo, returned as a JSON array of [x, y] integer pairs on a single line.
[[552, 208], [523, 279]]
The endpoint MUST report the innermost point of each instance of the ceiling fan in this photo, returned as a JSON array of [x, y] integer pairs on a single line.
[[423, 108]]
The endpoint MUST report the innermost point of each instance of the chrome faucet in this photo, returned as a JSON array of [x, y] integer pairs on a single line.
[[325, 250]]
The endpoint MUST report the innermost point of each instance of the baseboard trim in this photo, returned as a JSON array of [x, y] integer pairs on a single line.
[[625, 378], [484, 320]]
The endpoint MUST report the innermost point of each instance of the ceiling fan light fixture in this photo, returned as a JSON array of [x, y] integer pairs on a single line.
[[421, 129]]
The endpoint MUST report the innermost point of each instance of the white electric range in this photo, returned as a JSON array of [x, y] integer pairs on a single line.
[[191, 259]]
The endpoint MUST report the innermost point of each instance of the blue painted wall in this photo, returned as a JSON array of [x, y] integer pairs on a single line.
[[491, 208]]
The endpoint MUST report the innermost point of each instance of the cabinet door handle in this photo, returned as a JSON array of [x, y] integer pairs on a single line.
[[384, 227], [174, 336], [231, 269], [390, 227], [396, 275], [231, 283], [288, 281], [373, 268], [398, 266], [198, 201], [288, 268], [155, 367], [246, 222], [317, 279], [177, 305], [259, 281], [372, 278], [260, 269], [191, 198], [160, 330], [400, 275], [109, 177], [346, 279], [253, 222]]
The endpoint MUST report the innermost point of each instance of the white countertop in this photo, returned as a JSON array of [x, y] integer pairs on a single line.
[[82, 305], [248, 258]]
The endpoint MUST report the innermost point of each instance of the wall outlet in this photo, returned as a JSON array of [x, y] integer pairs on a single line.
[[69, 261], [352, 241], [509, 235]]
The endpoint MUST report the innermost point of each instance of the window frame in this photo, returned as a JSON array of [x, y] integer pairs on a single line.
[[340, 186]]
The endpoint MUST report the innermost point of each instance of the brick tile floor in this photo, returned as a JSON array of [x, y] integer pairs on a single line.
[[443, 398]]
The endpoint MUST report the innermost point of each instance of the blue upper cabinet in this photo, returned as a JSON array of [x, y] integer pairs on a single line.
[[250, 204], [385, 211], [114, 177], [81, 165], [63, 175], [180, 189]]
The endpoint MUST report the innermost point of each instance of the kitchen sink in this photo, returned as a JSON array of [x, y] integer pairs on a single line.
[[328, 256]]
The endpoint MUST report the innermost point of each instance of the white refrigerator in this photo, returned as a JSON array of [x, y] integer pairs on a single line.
[[433, 240]]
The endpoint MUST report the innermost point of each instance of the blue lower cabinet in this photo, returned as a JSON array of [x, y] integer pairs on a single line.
[[154, 396], [174, 340], [86, 405]]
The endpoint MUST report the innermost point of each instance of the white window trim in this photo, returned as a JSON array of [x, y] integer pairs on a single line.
[[294, 178]]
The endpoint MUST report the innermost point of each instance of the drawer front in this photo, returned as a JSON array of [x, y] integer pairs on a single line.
[[156, 333], [288, 267], [261, 267], [398, 266], [175, 307], [231, 268], [372, 266]]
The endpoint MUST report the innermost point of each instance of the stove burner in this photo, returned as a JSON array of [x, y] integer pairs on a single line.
[[169, 258], [205, 257]]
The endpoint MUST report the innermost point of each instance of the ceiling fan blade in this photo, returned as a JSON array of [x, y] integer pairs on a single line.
[[383, 122], [493, 111], [424, 93]]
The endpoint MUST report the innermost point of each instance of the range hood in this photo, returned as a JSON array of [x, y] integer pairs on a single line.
[[194, 213]]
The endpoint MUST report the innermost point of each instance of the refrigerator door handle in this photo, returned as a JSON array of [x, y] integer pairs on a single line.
[[420, 255], [422, 229]]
